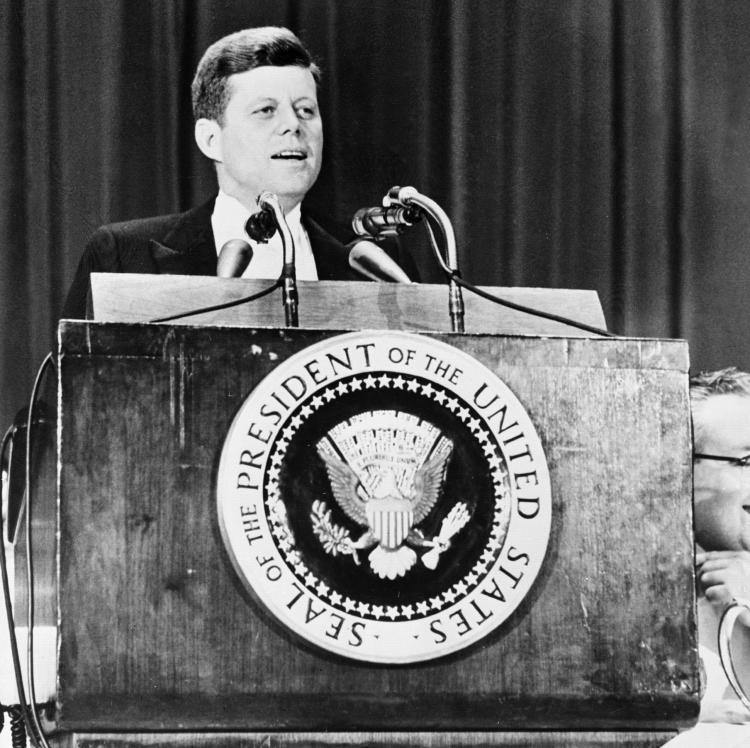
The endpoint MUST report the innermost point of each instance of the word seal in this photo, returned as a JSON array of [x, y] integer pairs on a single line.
[[385, 496]]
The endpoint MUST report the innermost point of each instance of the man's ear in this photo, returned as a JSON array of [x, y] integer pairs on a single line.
[[208, 138]]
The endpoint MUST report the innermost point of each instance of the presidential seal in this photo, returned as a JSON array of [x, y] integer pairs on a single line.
[[385, 496]]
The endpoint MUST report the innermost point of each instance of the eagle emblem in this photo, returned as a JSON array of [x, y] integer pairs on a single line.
[[386, 470]]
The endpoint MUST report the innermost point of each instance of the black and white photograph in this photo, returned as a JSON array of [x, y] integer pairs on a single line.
[[375, 373]]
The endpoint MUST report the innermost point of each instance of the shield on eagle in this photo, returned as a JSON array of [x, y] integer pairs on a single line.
[[386, 470]]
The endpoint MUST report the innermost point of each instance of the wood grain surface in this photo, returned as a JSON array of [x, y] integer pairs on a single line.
[[369, 740], [157, 632], [133, 297]]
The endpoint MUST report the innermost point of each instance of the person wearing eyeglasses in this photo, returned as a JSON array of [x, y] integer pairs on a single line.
[[720, 406]]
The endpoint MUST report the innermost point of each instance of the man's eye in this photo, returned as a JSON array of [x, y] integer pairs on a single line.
[[306, 112], [265, 110]]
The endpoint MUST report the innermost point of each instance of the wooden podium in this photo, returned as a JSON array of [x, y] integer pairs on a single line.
[[160, 643]]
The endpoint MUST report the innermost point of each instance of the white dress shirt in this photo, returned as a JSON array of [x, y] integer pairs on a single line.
[[228, 222]]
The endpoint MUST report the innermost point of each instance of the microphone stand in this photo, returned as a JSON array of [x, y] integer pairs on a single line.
[[409, 196], [289, 294]]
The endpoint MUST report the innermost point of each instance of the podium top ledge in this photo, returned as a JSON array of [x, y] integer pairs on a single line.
[[128, 297]]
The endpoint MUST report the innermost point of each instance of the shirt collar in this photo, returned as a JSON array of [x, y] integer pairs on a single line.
[[231, 215]]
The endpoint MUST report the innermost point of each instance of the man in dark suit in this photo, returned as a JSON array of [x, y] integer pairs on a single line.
[[256, 116]]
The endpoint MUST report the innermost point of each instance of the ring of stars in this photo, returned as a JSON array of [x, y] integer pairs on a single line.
[[500, 480]]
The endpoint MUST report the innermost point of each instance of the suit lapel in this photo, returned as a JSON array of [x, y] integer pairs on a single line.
[[188, 248], [331, 256]]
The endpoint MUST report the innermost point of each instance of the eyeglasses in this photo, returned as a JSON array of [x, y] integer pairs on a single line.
[[736, 461]]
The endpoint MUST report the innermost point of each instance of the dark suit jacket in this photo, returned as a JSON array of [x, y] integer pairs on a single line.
[[183, 244]]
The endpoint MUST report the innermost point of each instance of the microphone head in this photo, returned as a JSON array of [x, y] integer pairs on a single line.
[[234, 257], [373, 262], [384, 221], [261, 226]]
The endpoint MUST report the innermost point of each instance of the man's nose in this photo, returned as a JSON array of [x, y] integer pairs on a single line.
[[288, 119]]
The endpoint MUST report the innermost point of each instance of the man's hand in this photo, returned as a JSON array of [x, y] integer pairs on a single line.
[[724, 576]]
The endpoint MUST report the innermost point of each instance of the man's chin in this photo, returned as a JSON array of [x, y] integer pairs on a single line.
[[288, 184], [289, 200]]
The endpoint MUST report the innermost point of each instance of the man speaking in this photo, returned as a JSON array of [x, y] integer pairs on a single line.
[[256, 113]]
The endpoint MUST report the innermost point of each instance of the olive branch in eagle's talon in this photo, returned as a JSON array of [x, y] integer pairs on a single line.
[[456, 519], [334, 538]]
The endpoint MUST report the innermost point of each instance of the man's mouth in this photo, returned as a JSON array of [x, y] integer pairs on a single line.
[[746, 508], [290, 154]]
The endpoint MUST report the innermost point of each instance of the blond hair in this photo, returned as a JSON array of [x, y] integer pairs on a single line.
[[707, 384]]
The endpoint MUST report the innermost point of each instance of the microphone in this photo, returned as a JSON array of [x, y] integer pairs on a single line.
[[234, 257], [268, 201], [382, 221], [261, 226], [368, 259], [409, 197]]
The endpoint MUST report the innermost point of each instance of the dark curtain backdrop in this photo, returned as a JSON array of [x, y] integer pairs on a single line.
[[597, 144]]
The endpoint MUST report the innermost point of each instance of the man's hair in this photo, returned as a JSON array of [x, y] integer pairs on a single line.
[[244, 50], [707, 384]]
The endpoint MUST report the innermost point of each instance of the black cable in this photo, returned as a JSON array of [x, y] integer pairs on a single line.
[[9, 613], [4, 446], [17, 728], [454, 275], [37, 735], [225, 305], [528, 310], [17, 731]]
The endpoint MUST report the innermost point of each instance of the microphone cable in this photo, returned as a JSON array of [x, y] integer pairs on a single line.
[[225, 305], [28, 708], [48, 361], [454, 275], [17, 727], [22, 709], [529, 310], [281, 282]]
